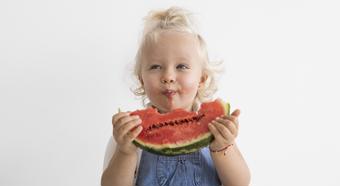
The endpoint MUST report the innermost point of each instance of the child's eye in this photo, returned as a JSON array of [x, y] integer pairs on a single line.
[[155, 67], [182, 66]]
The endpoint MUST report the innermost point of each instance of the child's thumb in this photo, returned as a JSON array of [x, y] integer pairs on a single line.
[[236, 113]]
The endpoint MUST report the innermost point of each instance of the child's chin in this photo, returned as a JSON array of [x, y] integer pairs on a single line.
[[167, 108], [173, 107]]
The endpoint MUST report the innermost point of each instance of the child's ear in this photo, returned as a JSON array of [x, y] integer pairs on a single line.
[[204, 77], [140, 80]]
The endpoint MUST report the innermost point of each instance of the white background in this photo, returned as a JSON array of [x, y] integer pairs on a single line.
[[65, 68]]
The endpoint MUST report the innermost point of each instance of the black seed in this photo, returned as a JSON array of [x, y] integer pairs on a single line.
[[196, 118]]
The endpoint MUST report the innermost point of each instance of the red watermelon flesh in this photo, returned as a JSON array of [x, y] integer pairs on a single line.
[[179, 131]]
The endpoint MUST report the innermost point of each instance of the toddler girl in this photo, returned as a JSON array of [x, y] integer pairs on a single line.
[[173, 70]]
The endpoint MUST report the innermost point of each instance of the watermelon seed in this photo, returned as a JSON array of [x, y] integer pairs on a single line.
[[176, 122]]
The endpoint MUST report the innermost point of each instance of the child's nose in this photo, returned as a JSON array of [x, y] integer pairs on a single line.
[[168, 77], [167, 80]]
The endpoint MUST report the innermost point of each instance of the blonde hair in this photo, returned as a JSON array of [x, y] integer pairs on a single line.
[[175, 19]]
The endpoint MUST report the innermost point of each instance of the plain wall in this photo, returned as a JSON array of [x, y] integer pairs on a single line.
[[65, 69]]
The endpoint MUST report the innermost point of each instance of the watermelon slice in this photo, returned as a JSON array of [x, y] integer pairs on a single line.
[[179, 131]]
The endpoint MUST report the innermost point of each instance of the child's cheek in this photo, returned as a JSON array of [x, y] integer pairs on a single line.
[[189, 85]]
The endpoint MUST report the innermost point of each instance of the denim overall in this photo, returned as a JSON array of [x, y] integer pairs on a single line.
[[195, 169]]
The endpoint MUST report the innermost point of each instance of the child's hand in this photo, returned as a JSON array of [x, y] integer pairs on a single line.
[[122, 124], [225, 130]]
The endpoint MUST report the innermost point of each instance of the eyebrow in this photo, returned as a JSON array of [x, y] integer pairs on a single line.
[[182, 58], [153, 59]]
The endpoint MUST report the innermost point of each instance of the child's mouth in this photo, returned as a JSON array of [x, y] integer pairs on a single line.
[[169, 93]]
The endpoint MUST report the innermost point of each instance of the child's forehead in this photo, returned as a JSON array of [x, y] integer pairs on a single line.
[[168, 37], [182, 46], [173, 55]]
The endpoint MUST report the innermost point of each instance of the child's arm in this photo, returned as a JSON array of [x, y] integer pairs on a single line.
[[120, 170], [230, 165], [122, 166]]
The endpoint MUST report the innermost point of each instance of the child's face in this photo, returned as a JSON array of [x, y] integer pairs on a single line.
[[171, 71]]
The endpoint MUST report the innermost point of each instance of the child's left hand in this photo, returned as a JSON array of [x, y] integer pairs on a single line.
[[225, 130]]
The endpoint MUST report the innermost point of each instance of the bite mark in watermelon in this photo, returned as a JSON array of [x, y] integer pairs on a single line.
[[179, 131]]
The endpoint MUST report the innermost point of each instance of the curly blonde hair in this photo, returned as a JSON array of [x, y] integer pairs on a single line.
[[180, 20]]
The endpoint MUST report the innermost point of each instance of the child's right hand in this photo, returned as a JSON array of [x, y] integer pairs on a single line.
[[123, 123]]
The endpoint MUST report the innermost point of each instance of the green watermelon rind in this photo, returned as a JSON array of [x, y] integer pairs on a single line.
[[200, 142], [167, 151]]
